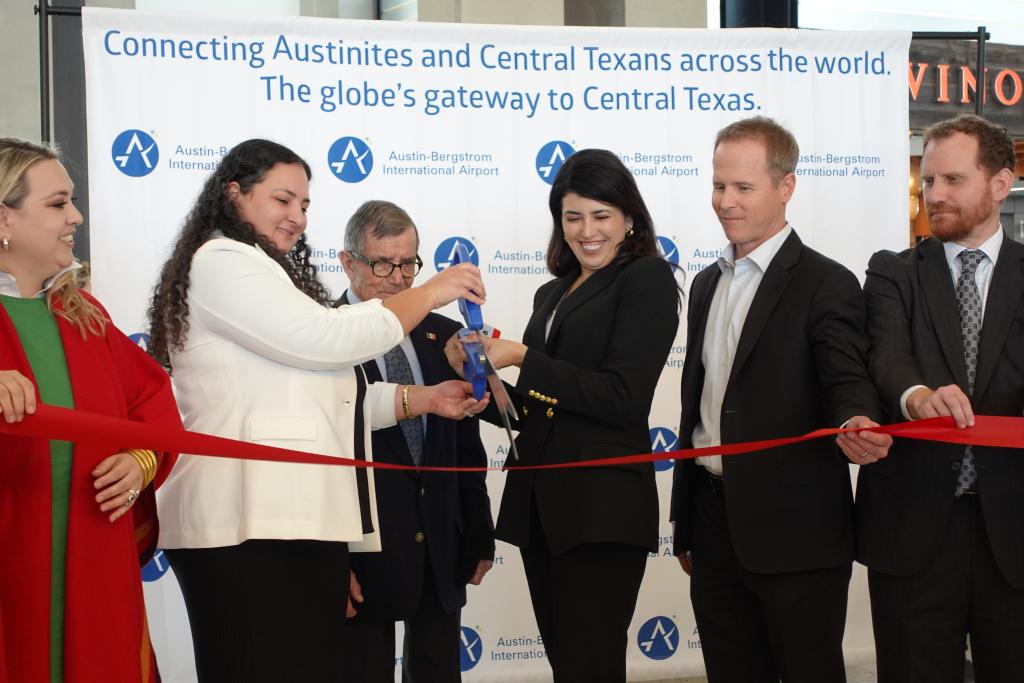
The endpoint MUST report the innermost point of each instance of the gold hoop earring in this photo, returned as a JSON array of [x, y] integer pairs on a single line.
[[629, 233]]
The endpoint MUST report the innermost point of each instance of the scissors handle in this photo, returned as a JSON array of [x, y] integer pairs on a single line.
[[471, 311], [475, 367]]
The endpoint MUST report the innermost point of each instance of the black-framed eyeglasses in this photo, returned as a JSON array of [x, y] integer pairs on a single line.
[[408, 269]]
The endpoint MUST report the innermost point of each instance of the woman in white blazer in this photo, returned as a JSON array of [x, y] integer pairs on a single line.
[[241, 320]]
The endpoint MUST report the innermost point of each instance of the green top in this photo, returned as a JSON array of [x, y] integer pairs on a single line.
[[40, 338]]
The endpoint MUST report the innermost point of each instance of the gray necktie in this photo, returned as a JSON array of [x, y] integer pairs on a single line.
[[969, 301], [396, 364]]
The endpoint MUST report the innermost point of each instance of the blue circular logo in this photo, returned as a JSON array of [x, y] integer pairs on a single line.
[[663, 440], [550, 158], [445, 252], [141, 339], [155, 568], [135, 153], [350, 159], [471, 648], [658, 638], [668, 249]]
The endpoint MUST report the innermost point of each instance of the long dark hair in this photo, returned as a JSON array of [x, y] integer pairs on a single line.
[[246, 164], [599, 175]]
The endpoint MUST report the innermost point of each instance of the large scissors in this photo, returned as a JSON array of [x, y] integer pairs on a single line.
[[478, 368]]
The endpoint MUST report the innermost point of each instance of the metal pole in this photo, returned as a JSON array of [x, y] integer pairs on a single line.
[[979, 94], [45, 11], [44, 71]]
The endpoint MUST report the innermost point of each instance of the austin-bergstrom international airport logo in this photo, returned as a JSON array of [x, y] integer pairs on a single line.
[[550, 158], [669, 250], [350, 159], [156, 568], [445, 252], [663, 440], [658, 638], [135, 153], [140, 339], [471, 648]]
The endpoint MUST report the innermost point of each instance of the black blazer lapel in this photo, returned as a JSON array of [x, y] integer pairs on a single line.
[[773, 284], [702, 300], [533, 335], [594, 284], [435, 369], [693, 379], [940, 297], [1004, 295]]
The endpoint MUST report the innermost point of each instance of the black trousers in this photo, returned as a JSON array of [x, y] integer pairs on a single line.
[[760, 628], [921, 622], [583, 601], [266, 610], [430, 652]]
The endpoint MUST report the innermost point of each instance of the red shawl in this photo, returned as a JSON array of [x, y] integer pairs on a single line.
[[105, 633]]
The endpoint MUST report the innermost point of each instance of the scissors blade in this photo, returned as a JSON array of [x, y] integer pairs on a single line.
[[502, 401], [505, 403], [508, 430]]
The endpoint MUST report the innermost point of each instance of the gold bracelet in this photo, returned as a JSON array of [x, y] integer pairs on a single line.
[[405, 402], [147, 461], [143, 458], [141, 465]]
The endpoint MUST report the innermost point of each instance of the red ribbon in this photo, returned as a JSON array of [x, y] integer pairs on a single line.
[[51, 422]]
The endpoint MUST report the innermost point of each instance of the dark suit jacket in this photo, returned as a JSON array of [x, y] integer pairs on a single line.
[[800, 365], [450, 512], [607, 347], [904, 502]]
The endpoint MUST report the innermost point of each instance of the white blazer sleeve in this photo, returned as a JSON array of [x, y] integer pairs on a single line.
[[380, 402], [242, 295]]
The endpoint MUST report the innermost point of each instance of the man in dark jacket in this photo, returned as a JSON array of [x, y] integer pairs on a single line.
[[437, 534]]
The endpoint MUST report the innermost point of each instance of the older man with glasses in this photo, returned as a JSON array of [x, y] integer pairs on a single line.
[[436, 528]]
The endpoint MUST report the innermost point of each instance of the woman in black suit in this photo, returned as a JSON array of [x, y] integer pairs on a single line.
[[589, 362]]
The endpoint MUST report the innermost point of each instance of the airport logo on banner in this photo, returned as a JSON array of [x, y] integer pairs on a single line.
[[135, 153], [156, 567], [663, 440], [658, 638], [471, 648], [669, 250], [350, 159], [435, 162], [550, 158], [676, 357], [670, 164], [699, 259], [445, 252], [140, 339]]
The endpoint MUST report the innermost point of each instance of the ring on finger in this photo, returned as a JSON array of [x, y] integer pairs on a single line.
[[864, 454], [133, 495]]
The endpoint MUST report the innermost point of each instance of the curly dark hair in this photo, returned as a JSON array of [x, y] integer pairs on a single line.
[[214, 211]]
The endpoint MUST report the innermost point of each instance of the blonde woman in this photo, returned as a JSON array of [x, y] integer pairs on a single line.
[[76, 520]]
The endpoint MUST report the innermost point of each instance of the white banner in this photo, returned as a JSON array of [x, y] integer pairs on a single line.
[[465, 127]]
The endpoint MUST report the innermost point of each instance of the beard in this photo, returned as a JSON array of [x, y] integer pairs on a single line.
[[958, 222]]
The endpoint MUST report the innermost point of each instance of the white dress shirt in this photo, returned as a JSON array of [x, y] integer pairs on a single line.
[[729, 306], [982, 278]]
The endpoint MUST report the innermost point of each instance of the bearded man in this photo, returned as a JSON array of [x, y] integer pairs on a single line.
[[941, 526]]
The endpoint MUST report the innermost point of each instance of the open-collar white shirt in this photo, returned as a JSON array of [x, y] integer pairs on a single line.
[[729, 307]]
